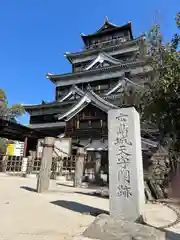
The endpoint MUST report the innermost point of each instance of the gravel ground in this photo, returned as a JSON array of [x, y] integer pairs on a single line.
[[61, 213], [57, 214]]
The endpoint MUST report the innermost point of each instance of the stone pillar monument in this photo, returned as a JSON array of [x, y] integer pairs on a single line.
[[46, 162], [126, 184], [79, 167], [97, 166]]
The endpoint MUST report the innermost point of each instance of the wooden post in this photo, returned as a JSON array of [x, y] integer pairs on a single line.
[[45, 170], [4, 163], [30, 165], [79, 168], [25, 146], [97, 166], [24, 165]]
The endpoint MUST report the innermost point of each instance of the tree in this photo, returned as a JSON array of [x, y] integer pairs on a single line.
[[6, 112], [162, 97], [159, 101], [3, 145]]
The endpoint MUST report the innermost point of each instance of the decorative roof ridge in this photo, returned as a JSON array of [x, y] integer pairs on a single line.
[[128, 80], [66, 96], [110, 57], [123, 65], [92, 93], [74, 89], [77, 89], [75, 107], [101, 57], [89, 97], [120, 84], [106, 22], [103, 28]]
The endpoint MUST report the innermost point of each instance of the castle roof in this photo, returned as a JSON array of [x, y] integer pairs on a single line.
[[107, 28]]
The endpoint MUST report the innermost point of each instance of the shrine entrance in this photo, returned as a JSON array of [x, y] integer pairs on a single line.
[[96, 168]]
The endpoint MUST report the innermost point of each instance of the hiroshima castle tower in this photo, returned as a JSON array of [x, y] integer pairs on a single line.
[[110, 60]]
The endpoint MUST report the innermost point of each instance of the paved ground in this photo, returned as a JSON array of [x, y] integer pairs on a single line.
[[61, 213]]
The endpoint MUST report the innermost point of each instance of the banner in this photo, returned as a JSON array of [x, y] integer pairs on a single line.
[[10, 150]]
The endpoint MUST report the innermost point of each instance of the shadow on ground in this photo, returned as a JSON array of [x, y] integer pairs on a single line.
[[172, 235], [65, 185], [169, 235], [28, 189], [79, 207], [94, 194]]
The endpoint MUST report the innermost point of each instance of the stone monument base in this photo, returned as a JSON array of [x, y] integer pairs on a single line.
[[106, 228]]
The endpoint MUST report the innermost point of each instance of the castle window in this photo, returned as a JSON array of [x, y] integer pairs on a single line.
[[126, 33], [89, 123], [77, 124]]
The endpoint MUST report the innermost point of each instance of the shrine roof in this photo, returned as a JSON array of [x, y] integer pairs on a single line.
[[15, 131]]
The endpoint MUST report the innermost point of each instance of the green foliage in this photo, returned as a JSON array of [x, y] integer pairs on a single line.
[[162, 102], [2, 95], [159, 102], [6, 112], [178, 20], [3, 145]]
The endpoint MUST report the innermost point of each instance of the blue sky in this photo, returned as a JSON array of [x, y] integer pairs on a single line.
[[35, 34]]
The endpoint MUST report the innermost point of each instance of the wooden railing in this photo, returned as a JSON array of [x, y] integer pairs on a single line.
[[11, 164], [16, 165]]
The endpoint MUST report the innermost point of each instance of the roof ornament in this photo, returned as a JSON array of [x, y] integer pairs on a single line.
[[66, 53], [61, 135], [48, 75], [106, 19], [89, 87]]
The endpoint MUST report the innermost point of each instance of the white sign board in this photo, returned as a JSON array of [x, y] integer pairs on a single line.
[[39, 149], [126, 184], [18, 148], [62, 147]]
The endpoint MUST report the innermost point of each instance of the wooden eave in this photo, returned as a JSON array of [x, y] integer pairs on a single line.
[[128, 65], [87, 52], [29, 108], [15, 131]]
